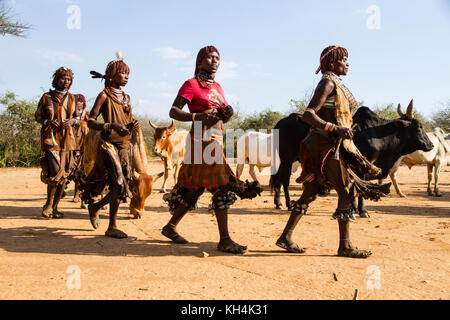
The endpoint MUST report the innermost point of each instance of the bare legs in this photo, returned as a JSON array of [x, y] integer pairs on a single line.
[[54, 191], [225, 243], [343, 214]]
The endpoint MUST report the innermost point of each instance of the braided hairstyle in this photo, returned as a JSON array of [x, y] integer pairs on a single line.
[[202, 54], [61, 72], [113, 68], [331, 55]]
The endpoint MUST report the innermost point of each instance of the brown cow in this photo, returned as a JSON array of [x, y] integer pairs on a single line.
[[142, 184], [170, 144]]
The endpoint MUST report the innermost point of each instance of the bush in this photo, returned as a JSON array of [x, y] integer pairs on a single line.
[[441, 118], [389, 112], [19, 132]]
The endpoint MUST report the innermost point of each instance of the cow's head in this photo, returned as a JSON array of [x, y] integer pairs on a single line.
[[141, 187], [161, 137], [412, 130]]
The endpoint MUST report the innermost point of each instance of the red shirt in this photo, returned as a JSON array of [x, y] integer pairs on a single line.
[[202, 99]]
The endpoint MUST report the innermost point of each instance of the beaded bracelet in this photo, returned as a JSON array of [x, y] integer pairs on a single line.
[[329, 127]]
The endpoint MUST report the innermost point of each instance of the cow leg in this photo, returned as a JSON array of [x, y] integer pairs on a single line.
[[309, 194], [76, 194], [430, 178], [175, 174], [437, 171], [277, 196], [286, 174], [363, 213], [251, 170], [166, 175], [239, 169], [287, 196], [393, 176]]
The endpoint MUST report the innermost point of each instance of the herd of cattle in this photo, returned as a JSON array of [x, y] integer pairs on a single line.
[[386, 143]]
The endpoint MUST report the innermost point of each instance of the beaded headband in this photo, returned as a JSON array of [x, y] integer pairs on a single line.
[[326, 53], [64, 69]]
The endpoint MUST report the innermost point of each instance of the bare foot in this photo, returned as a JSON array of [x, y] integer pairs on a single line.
[[229, 246], [93, 216], [173, 235], [116, 233], [289, 245], [47, 212]]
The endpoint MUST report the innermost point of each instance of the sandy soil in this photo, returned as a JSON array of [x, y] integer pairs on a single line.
[[40, 259]]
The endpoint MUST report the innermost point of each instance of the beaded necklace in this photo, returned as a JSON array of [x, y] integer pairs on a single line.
[[348, 94], [114, 93], [205, 78]]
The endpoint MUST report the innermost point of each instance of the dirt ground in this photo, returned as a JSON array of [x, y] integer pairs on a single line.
[[67, 259]]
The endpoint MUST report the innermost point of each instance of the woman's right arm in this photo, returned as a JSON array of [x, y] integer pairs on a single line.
[[178, 114]]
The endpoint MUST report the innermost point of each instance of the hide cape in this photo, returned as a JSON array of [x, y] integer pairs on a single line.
[[96, 176], [321, 146], [56, 143]]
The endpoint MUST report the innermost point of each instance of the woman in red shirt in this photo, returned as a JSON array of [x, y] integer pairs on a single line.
[[204, 166]]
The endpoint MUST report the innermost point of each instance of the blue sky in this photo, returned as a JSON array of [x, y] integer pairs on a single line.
[[269, 49]]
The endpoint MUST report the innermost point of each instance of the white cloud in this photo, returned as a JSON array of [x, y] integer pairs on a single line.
[[172, 53], [161, 85], [61, 57], [232, 98], [262, 74], [227, 70]]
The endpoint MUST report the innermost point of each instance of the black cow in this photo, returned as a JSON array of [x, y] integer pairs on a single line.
[[381, 141], [292, 130]]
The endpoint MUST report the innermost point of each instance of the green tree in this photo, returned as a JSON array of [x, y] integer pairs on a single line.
[[262, 120], [9, 25], [389, 112]]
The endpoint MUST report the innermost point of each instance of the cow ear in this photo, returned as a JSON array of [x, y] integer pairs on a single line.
[[409, 110], [401, 123]]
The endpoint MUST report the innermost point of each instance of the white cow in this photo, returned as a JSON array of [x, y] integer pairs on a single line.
[[435, 158], [255, 149]]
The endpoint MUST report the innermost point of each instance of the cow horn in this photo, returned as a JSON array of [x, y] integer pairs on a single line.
[[136, 174], [400, 110], [171, 127], [152, 125], [409, 110]]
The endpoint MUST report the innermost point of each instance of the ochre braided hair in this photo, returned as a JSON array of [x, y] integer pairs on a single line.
[[202, 54], [81, 98], [113, 68], [331, 55], [61, 72]]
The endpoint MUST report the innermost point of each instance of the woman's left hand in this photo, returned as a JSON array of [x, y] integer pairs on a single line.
[[68, 123]]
